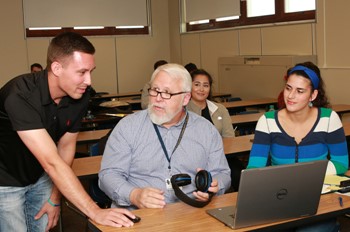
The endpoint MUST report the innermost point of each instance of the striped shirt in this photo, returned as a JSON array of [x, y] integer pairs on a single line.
[[325, 140], [134, 158]]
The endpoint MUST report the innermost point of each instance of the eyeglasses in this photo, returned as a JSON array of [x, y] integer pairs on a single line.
[[164, 95]]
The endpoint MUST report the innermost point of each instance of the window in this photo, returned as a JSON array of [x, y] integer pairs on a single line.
[[260, 8], [299, 5], [87, 17], [256, 12]]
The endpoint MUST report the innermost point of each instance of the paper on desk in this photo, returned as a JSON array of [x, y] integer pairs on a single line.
[[329, 188], [334, 179]]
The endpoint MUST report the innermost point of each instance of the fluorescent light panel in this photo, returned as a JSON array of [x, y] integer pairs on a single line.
[[226, 18], [88, 27], [44, 28], [199, 22], [129, 27]]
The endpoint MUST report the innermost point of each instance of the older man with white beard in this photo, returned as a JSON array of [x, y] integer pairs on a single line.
[[148, 147]]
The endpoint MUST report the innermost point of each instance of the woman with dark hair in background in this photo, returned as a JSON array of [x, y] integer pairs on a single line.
[[200, 103]]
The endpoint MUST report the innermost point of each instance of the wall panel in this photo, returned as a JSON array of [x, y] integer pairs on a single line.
[[215, 45], [250, 41], [287, 40]]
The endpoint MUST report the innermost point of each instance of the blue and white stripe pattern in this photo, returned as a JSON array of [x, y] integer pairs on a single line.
[[325, 140]]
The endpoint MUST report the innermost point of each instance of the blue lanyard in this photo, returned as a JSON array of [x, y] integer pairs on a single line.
[[178, 140]]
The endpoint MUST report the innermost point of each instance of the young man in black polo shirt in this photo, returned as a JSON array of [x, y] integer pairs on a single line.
[[40, 116]]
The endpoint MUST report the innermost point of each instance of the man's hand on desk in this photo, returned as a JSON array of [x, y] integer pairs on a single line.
[[147, 198], [115, 217]]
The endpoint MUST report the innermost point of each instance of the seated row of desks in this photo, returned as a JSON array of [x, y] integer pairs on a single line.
[[340, 108], [237, 145], [86, 167], [251, 118], [138, 94], [95, 135], [134, 98], [254, 117], [91, 165], [229, 105]]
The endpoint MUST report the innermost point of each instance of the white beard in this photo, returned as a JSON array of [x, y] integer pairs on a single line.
[[160, 120]]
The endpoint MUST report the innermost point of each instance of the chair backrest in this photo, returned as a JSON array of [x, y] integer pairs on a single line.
[[94, 150], [95, 192]]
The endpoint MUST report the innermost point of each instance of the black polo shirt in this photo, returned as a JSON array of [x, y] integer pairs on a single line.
[[26, 104]]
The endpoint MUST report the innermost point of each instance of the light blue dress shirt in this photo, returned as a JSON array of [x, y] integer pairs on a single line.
[[134, 158]]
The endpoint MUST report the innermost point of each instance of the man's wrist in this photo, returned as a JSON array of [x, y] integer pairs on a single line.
[[53, 204]]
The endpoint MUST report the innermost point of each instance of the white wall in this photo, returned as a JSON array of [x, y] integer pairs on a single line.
[[125, 63], [328, 39]]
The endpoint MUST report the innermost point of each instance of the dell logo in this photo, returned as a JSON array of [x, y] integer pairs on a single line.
[[281, 194]]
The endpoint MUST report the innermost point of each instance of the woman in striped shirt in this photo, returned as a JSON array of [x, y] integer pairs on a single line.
[[304, 130]]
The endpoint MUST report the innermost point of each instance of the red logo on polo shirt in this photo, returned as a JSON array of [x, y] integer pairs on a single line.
[[68, 122]]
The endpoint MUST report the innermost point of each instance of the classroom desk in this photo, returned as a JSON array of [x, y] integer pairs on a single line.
[[250, 103], [251, 118], [245, 118], [99, 122], [138, 94], [87, 167], [341, 108], [238, 145], [133, 101], [92, 136], [346, 126], [118, 95], [137, 102], [182, 217], [231, 145], [223, 96]]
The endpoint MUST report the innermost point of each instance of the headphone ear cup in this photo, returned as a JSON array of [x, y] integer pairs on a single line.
[[203, 180], [181, 179]]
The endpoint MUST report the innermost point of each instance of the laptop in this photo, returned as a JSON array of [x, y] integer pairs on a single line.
[[275, 193]]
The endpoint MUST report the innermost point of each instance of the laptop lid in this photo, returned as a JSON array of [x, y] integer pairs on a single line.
[[274, 193]]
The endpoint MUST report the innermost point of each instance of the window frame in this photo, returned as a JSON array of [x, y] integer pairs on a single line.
[[279, 17], [106, 31]]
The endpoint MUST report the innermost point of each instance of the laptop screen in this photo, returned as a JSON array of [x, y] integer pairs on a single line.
[[274, 193]]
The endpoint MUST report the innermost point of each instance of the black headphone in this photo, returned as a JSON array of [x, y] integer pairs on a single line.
[[203, 180]]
